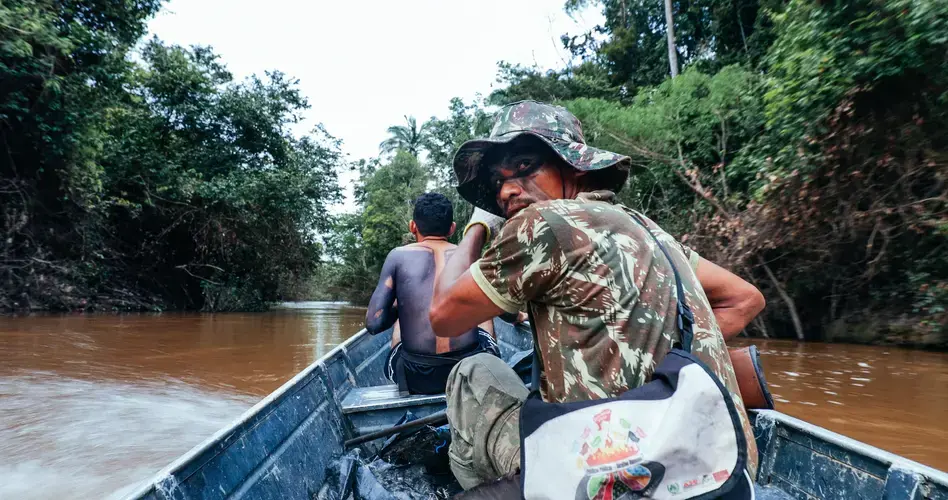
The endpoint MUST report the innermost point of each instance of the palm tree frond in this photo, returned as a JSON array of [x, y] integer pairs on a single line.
[[408, 137]]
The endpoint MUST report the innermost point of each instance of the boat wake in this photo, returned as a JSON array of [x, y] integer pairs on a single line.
[[73, 438]]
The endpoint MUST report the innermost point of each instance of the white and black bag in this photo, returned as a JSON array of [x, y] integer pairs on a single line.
[[678, 436]]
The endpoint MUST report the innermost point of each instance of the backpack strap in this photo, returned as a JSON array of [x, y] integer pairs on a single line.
[[686, 319], [535, 373]]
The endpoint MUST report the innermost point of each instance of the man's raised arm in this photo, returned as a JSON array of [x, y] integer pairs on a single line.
[[458, 303], [382, 312]]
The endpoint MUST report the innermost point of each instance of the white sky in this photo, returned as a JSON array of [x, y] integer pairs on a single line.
[[365, 64]]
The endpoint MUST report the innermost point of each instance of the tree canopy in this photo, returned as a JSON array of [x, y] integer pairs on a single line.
[[408, 137], [151, 184]]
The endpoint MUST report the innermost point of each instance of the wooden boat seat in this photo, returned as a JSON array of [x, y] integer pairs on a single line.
[[374, 408]]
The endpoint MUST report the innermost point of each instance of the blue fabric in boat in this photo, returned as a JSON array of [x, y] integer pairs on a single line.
[[522, 364]]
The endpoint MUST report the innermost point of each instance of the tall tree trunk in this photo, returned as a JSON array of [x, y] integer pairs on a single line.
[[797, 324], [670, 29], [759, 323], [759, 320]]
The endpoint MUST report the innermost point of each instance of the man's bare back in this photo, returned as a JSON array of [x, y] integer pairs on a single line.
[[404, 292]]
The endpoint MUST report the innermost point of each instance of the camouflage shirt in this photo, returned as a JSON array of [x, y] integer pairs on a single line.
[[602, 297]]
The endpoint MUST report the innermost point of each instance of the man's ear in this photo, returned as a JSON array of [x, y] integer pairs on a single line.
[[412, 227], [454, 226]]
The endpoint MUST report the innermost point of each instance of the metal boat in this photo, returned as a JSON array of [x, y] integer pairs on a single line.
[[291, 445]]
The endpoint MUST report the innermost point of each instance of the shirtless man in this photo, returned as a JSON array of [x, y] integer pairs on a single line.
[[420, 362]]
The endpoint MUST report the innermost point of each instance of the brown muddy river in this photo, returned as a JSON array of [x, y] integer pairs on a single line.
[[92, 404]]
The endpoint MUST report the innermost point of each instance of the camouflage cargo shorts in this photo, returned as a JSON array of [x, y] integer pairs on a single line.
[[484, 399]]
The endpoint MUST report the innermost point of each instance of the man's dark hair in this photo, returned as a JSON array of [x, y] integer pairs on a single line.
[[433, 214]]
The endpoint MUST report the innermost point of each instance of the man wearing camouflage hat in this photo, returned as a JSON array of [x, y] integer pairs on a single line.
[[600, 292]]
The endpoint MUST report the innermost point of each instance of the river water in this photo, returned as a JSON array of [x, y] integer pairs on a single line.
[[92, 404]]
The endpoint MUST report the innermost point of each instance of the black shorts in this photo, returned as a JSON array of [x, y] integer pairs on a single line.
[[428, 373]]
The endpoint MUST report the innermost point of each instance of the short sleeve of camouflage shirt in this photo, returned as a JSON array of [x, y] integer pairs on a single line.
[[692, 256], [523, 260]]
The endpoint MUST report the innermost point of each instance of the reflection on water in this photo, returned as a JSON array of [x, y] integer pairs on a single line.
[[92, 404], [894, 399]]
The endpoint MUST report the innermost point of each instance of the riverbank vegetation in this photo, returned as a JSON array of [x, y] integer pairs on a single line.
[[801, 143], [152, 182]]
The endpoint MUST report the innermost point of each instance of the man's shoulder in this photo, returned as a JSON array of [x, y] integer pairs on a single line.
[[411, 247], [528, 225], [572, 212], [420, 247], [542, 223], [549, 209], [396, 254]]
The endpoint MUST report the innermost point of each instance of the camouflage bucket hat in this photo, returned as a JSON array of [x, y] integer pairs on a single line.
[[556, 127]]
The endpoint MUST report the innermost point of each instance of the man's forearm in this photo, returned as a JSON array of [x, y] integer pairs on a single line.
[[468, 251], [730, 321], [734, 317], [381, 320]]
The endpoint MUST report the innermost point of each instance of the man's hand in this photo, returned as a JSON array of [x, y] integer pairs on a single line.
[[518, 317], [490, 221]]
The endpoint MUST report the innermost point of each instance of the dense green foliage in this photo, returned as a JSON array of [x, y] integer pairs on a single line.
[[693, 124], [818, 171], [151, 184], [360, 241], [629, 52]]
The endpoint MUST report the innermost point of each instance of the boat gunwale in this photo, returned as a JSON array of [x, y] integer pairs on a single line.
[[245, 417], [847, 443]]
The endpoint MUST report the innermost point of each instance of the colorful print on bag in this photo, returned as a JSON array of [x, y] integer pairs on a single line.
[[639, 479], [608, 455]]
